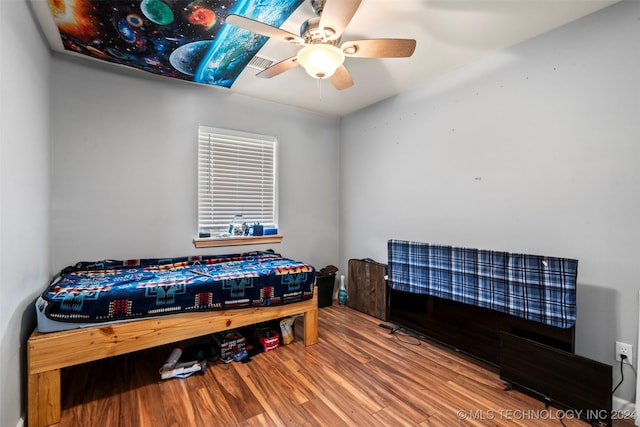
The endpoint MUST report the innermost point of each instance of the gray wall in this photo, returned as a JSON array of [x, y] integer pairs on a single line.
[[125, 164], [25, 242], [532, 150]]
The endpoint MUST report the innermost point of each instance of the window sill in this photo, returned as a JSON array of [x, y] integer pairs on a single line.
[[211, 242]]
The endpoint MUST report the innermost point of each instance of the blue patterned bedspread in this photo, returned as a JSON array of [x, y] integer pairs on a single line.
[[118, 290], [538, 288]]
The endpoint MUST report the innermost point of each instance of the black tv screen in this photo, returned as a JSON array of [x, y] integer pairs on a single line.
[[571, 381], [468, 328]]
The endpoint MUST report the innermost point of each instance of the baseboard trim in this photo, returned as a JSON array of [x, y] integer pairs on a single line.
[[625, 409]]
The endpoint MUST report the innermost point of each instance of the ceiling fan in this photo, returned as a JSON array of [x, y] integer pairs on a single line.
[[320, 55]]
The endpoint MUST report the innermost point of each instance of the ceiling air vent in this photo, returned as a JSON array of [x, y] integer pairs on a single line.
[[260, 63]]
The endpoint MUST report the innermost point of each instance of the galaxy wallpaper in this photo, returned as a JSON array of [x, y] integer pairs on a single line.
[[182, 39]]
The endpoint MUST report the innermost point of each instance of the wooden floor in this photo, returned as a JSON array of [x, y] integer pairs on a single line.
[[358, 375]]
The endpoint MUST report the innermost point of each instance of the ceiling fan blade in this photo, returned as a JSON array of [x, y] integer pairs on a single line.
[[336, 14], [278, 68], [263, 29], [379, 48], [341, 79]]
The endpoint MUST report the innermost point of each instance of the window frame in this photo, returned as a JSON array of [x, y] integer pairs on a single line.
[[212, 225]]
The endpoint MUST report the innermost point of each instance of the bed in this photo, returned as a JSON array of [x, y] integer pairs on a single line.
[[95, 310]]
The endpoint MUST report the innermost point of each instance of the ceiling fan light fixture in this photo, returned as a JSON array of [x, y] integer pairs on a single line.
[[320, 60]]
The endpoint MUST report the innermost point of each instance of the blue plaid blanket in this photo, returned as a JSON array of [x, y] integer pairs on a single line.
[[534, 287]]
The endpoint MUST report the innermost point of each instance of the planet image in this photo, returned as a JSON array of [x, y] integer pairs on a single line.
[[117, 54], [233, 48], [127, 33], [200, 15], [135, 20], [157, 11], [96, 53], [187, 58], [130, 35]]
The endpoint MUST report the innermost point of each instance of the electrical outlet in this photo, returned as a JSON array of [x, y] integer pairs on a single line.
[[626, 349]]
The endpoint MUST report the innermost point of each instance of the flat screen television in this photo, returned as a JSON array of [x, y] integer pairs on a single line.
[[559, 377], [468, 328]]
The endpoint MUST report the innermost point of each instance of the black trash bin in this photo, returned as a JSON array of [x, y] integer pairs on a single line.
[[325, 289]]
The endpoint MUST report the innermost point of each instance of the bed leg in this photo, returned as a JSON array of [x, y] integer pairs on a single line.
[[44, 398], [311, 326]]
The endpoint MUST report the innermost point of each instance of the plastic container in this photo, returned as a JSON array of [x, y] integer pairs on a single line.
[[269, 341]]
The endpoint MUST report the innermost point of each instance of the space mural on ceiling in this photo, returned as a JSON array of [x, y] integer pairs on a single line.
[[187, 40]]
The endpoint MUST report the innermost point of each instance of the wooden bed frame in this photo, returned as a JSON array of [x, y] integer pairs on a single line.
[[48, 353]]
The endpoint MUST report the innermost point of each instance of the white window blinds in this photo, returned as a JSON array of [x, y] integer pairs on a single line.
[[236, 176]]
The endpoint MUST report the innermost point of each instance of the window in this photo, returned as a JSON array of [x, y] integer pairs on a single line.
[[236, 176]]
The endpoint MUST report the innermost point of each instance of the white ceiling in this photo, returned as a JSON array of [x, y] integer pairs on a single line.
[[449, 34]]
